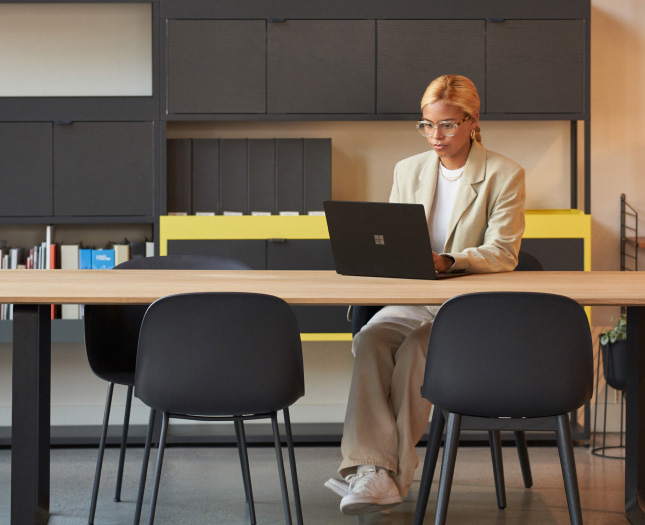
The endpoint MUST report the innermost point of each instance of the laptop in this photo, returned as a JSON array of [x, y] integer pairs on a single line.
[[381, 239]]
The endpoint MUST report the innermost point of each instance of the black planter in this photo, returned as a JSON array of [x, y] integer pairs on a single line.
[[614, 363]]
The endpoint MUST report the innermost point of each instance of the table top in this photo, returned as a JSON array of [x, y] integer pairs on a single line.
[[307, 287]]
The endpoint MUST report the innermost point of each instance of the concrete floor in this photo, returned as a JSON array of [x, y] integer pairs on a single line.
[[203, 486]]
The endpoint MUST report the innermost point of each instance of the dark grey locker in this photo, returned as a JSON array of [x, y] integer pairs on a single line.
[[26, 181], [299, 254], [289, 182], [557, 254], [412, 53], [179, 166], [262, 175], [316, 173], [321, 66], [251, 252], [103, 168], [233, 175], [309, 254], [535, 66], [216, 66], [205, 186]]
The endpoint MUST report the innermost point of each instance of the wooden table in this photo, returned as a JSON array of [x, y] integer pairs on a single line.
[[32, 291]]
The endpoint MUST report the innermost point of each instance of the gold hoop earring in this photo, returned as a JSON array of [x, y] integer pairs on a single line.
[[473, 134]]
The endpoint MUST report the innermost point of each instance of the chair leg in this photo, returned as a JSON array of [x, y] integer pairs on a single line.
[[124, 444], [448, 467], [278, 453], [144, 466], [523, 454], [292, 463], [155, 487], [244, 463], [498, 467], [567, 461], [430, 464], [99, 460]]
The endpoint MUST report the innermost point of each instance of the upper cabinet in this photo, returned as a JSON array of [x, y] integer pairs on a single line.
[[410, 53], [535, 66], [321, 66], [216, 66], [371, 68]]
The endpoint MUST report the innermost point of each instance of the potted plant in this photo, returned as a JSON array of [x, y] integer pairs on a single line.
[[614, 353]]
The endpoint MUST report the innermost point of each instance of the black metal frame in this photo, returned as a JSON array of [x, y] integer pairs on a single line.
[[628, 234]]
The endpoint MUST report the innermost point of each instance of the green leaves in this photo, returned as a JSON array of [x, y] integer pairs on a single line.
[[619, 331]]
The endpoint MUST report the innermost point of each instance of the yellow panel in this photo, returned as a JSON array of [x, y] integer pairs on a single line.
[[326, 337], [240, 227]]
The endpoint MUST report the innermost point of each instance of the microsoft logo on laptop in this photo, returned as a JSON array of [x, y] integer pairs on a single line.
[[379, 240]]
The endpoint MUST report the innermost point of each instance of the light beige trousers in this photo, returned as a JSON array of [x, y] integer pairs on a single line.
[[386, 415]]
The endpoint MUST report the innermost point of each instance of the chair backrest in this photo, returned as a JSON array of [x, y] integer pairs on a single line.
[[509, 354], [112, 331], [220, 354], [528, 263]]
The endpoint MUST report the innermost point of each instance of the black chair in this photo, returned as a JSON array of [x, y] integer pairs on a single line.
[[221, 356], [526, 263], [111, 336], [524, 362]]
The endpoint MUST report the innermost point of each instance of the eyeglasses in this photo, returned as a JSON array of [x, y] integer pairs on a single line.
[[447, 128]]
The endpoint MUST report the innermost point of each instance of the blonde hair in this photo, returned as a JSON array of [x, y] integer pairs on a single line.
[[458, 91]]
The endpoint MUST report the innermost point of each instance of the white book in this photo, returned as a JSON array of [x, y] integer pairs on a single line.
[[121, 253], [69, 254], [150, 249], [49, 240]]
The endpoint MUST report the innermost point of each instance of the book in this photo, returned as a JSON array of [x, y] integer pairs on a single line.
[[121, 253], [85, 259], [150, 249], [102, 259], [69, 260]]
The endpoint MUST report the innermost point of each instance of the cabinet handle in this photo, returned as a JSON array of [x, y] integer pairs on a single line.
[[496, 20], [276, 20], [277, 240], [63, 122]]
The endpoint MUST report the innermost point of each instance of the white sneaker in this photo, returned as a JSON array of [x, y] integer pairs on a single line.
[[370, 490]]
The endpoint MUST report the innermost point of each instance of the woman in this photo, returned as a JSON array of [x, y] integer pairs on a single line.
[[474, 202]]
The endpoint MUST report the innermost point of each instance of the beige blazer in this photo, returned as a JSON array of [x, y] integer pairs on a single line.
[[487, 221]]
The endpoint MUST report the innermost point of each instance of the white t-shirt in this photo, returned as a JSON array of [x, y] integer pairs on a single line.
[[444, 200]]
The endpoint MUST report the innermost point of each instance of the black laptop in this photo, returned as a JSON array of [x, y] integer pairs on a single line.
[[381, 239]]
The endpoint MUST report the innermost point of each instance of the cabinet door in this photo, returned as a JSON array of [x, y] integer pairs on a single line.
[[535, 66], [412, 53], [103, 168], [321, 66], [216, 66], [26, 169], [309, 254]]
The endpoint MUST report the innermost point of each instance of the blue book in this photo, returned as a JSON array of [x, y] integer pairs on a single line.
[[85, 259], [102, 259]]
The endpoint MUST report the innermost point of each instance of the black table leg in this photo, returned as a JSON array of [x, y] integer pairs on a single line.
[[30, 429], [635, 421]]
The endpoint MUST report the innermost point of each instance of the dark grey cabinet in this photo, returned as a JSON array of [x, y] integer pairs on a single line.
[[535, 66], [254, 66], [411, 53], [84, 169], [103, 169], [26, 170], [321, 66], [278, 254], [216, 66]]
